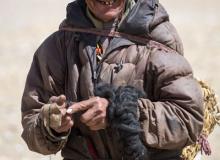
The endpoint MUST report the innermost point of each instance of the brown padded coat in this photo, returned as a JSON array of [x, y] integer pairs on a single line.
[[171, 116]]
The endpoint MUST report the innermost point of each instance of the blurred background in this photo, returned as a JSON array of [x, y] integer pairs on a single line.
[[25, 24]]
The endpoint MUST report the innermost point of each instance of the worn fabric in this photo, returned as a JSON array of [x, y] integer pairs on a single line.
[[148, 18], [171, 115]]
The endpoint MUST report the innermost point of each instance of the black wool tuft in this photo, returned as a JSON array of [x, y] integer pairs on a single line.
[[122, 117]]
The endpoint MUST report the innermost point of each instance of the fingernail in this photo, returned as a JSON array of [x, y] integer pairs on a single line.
[[69, 110]]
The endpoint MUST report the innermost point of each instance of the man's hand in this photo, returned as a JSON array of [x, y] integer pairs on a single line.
[[95, 115], [66, 120]]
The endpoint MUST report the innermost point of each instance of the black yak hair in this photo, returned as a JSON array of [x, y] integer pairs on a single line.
[[122, 117]]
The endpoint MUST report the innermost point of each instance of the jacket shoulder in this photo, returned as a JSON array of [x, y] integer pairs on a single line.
[[168, 62], [145, 15], [51, 42], [52, 48]]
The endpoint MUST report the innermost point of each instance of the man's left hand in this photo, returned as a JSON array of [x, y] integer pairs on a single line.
[[95, 115]]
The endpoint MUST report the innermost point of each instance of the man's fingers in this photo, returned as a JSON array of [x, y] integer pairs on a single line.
[[67, 123], [98, 126], [96, 120], [63, 111], [65, 120], [65, 128], [60, 100], [52, 99], [89, 115], [83, 105]]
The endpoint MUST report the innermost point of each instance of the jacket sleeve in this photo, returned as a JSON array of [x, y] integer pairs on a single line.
[[163, 31], [45, 79], [172, 114]]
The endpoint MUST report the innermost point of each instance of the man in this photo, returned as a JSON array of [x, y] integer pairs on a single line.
[[71, 62]]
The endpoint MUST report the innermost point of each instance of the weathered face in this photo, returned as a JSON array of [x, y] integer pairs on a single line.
[[106, 10]]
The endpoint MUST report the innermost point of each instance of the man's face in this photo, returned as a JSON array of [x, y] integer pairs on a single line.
[[106, 10]]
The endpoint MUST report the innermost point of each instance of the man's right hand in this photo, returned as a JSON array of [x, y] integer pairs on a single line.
[[59, 120]]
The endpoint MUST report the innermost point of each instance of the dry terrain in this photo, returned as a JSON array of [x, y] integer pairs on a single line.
[[25, 24]]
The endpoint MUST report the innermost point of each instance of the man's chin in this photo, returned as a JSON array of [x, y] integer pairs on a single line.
[[110, 15], [107, 18]]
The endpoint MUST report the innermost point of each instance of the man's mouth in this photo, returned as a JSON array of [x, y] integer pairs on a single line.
[[106, 2]]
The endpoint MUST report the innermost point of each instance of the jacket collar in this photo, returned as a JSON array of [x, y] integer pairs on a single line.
[[76, 15]]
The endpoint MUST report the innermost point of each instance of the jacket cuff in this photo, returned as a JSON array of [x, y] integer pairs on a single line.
[[56, 137], [51, 135]]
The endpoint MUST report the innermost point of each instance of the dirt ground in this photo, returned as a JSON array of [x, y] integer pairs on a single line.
[[25, 24]]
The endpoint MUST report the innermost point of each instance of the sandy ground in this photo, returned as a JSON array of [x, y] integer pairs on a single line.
[[25, 24]]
